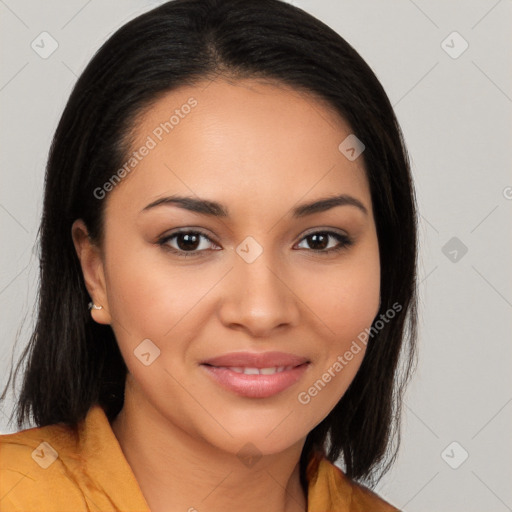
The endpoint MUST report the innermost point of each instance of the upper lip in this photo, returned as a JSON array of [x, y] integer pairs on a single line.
[[256, 360]]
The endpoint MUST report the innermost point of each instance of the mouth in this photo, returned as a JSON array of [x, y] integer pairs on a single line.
[[256, 371], [254, 375]]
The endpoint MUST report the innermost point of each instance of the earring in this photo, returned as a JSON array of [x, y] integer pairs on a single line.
[[93, 306]]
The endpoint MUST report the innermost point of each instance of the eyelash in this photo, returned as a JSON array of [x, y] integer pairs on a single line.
[[344, 242]]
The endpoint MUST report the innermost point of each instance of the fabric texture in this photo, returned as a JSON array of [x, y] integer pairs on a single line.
[[47, 469]]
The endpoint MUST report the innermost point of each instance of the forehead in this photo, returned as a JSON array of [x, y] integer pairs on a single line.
[[240, 141]]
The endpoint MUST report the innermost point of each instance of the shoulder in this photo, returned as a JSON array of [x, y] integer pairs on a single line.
[[34, 468], [331, 488], [365, 499], [55, 468]]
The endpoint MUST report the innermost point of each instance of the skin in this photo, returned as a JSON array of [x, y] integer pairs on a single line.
[[260, 149]]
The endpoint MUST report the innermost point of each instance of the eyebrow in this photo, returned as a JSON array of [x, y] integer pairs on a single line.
[[215, 209]]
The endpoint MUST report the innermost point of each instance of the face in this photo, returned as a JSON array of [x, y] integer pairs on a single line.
[[198, 294]]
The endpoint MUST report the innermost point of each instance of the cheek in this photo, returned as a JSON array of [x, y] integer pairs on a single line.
[[346, 297], [347, 301], [355, 306], [147, 293], [348, 310]]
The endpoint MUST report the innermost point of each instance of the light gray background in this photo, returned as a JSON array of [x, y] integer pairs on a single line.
[[456, 116]]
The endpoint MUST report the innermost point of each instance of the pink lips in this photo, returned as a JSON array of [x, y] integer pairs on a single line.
[[256, 360], [256, 375]]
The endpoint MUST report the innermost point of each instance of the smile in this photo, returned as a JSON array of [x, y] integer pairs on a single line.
[[251, 382], [257, 371]]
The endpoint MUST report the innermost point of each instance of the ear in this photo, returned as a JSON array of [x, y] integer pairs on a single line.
[[92, 265]]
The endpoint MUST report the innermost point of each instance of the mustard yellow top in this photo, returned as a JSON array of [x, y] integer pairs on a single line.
[[46, 469]]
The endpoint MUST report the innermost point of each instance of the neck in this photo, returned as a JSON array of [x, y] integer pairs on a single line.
[[177, 471]]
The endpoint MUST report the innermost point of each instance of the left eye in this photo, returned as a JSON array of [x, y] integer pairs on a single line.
[[322, 238]]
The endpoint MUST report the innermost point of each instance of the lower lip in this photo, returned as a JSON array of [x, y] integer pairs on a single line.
[[256, 386]]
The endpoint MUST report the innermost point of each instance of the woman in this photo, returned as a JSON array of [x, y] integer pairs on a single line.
[[228, 262]]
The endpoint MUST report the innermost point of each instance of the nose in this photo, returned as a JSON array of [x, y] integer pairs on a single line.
[[259, 298]]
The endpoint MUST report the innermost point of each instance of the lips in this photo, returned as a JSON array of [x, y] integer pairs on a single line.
[[256, 360], [255, 375]]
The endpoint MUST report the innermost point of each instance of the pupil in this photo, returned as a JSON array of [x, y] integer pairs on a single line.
[[190, 241], [315, 239]]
